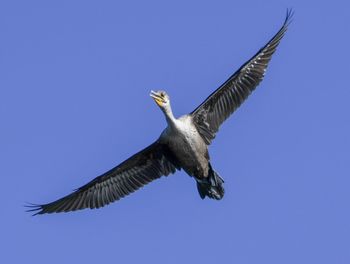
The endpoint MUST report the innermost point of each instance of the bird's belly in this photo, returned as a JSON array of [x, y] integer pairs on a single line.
[[191, 152]]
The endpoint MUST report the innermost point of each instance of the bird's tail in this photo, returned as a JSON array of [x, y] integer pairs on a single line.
[[211, 186]]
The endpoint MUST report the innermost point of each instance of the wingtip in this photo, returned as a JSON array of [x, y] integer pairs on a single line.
[[37, 208], [289, 16]]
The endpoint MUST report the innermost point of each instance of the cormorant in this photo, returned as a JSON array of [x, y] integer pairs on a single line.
[[182, 145]]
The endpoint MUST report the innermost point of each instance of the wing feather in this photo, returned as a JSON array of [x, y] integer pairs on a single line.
[[147, 165], [231, 94]]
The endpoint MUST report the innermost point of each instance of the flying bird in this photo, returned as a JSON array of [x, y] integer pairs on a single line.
[[183, 144]]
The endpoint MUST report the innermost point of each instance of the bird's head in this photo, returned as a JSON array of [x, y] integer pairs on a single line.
[[161, 98]]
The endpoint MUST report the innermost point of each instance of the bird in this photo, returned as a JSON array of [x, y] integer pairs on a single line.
[[183, 144]]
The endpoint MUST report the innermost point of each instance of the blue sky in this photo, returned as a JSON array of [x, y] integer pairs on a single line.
[[75, 79]]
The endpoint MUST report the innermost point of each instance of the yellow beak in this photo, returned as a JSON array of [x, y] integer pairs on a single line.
[[157, 98]]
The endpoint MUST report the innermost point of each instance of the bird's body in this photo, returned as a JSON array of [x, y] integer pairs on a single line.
[[187, 145], [182, 145]]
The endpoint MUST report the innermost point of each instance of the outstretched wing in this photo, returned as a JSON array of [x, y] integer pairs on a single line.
[[147, 165], [229, 96]]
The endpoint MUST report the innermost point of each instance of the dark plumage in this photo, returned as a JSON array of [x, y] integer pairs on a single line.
[[230, 95], [182, 145]]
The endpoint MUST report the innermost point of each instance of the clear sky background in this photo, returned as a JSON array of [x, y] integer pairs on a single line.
[[74, 102]]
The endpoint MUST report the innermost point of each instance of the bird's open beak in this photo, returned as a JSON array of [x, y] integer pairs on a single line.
[[157, 98]]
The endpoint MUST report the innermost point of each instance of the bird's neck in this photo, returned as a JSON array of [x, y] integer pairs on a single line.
[[169, 115]]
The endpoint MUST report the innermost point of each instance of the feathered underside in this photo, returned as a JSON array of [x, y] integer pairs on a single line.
[[142, 168], [230, 95], [157, 159]]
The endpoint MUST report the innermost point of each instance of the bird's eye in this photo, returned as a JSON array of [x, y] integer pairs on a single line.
[[162, 94]]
